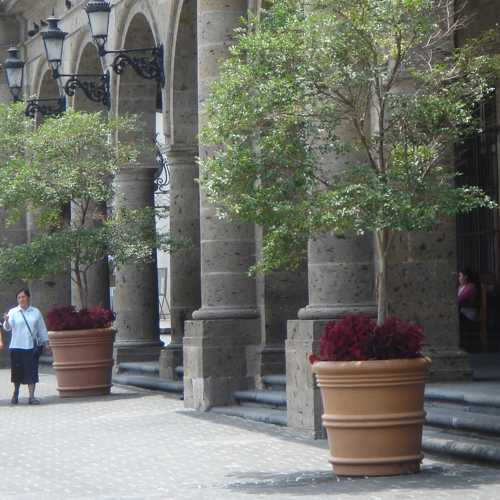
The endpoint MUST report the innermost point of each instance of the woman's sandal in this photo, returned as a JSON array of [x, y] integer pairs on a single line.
[[33, 401]]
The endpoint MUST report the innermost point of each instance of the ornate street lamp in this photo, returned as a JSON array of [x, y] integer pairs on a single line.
[[53, 41], [98, 13], [94, 86], [150, 68], [14, 73]]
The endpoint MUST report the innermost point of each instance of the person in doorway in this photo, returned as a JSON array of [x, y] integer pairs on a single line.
[[468, 297], [29, 335]]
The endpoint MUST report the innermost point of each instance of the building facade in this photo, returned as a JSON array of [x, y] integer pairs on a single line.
[[228, 329]]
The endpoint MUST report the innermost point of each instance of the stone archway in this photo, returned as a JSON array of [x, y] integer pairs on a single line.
[[136, 286]]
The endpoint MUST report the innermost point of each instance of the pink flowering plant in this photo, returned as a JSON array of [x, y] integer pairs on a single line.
[[359, 338]]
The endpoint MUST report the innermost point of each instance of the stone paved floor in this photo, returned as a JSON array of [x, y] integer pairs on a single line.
[[143, 445]]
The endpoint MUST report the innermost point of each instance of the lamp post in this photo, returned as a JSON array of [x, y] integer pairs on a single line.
[[14, 73], [150, 68], [94, 86]]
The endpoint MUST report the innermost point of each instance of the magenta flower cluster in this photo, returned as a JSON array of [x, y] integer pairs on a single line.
[[359, 338], [68, 318]]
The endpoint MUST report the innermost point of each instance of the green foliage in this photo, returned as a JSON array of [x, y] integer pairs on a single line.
[[68, 165], [340, 115]]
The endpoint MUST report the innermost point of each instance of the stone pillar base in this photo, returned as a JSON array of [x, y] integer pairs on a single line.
[[170, 358], [219, 358], [136, 351], [304, 406], [449, 365]]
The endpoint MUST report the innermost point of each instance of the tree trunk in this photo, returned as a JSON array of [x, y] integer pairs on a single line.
[[382, 290], [82, 292], [383, 240]]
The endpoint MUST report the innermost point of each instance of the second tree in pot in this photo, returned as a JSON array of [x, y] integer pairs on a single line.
[[62, 173]]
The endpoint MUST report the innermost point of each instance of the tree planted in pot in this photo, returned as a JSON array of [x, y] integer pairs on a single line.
[[62, 174], [339, 116]]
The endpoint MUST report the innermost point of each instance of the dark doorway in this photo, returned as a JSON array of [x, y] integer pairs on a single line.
[[478, 233]]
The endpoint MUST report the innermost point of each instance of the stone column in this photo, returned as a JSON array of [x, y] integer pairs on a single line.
[[421, 282], [136, 285], [422, 288], [279, 295], [219, 345], [341, 281], [185, 295]]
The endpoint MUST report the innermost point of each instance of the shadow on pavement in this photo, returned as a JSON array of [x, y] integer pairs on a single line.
[[432, 477]]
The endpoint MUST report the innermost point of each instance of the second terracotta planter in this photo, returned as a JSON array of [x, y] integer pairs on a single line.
[[83, 361], [373, 414]]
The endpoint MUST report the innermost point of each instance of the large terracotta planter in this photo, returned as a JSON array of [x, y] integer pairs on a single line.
[[83, 361], [373, 414]]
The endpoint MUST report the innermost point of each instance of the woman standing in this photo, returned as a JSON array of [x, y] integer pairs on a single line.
[[28, 332], [468, 297]]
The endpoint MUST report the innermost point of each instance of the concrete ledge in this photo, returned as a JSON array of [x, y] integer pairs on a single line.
[[276, 398], [151, 383], [265, 415], [461, 446]]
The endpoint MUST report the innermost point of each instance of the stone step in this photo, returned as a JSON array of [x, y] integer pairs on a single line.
[[262, 397], [477, 394], [274, 382], [265, 415], [151, 383], [466, 419], [448, 443], [151, 368]]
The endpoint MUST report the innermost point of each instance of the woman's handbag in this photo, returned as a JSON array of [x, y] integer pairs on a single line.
[[37, 341]]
